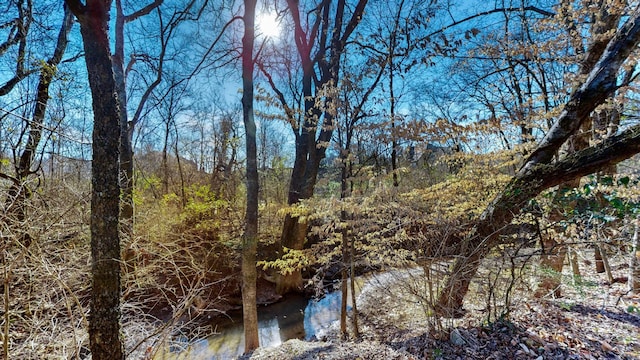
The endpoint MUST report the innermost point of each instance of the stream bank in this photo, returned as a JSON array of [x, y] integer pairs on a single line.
[[590, 322]]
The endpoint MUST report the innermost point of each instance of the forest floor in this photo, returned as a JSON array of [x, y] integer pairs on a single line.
[[593, 320], [49, 305]]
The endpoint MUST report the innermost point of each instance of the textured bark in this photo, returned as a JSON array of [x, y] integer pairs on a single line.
[[104, 318], [539, 174], [250, 237], [126, 150], [597, 256]]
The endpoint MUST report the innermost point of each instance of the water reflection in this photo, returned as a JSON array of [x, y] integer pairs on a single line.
[[294, 318], [319, 315]]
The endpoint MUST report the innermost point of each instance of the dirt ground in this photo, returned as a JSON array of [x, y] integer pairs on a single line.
[[593, 320]]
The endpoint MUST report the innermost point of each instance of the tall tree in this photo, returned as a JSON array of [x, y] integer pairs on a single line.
[[168, 25], [539, 172], [104, 318], [320, 45], [126, 133], [250, 236]]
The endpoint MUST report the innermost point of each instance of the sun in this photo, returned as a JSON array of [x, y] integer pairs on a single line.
[[267, 25]]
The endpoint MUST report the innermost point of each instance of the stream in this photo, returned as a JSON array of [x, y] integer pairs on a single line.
[[296, 317]]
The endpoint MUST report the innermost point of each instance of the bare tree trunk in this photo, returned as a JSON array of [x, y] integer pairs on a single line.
[[597, 256], [104, 319], [343, 290], [392, 113], [354, 305], [250, 237], [575, 266], [126, 152], [183, 190], [127, 127], [634, 264], [605, 264], [165, 161], [345, 243]]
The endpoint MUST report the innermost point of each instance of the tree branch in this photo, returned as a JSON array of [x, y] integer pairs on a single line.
[[592, 93], [283, 101], [142, 12], [489, 12]]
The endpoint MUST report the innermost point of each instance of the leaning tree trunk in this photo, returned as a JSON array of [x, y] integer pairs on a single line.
[[554, 250], [539, 174], [301, 185], [527, 184], [104, 318]]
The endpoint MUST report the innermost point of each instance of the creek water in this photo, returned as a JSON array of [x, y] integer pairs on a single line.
[[296, 317]]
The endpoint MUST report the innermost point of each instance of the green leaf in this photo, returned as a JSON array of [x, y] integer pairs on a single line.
[[606, 180], [624, 181]]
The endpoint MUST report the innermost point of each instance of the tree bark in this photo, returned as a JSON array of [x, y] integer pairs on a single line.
[[597, 256], [126, 150], [104, 318], [250, 237], [605, 263], [539, 174], [575, 266]]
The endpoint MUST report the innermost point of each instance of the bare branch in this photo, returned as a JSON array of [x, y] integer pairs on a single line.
[[489, 12], [213, 44], [287, 109], [356, 17], [142, 12]]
